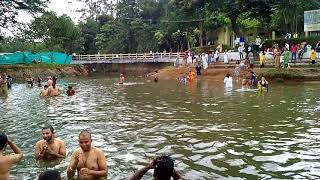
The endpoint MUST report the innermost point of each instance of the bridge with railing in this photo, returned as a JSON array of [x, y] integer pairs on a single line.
[[126, 58]]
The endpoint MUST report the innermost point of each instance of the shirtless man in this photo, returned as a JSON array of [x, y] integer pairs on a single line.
[[50, 148], [7, 161], [53, 90], [90, 162], [44, 91]]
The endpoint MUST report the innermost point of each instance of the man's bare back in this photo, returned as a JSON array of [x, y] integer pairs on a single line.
[[7, 161]]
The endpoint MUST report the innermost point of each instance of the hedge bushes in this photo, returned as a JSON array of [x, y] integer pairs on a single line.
[[281, 42]]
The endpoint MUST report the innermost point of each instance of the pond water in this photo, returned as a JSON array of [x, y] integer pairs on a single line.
[[211, 133]]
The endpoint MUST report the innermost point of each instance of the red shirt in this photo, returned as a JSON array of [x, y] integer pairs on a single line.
[[294, 49]]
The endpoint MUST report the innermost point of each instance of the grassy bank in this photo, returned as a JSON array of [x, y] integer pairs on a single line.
[[296, 74]]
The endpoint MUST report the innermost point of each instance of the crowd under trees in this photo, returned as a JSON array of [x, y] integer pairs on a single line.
[[133, 26]]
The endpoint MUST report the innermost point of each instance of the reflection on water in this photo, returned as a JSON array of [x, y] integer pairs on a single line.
[[212, 133]]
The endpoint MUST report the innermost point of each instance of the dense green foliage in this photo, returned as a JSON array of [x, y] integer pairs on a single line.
[[131, 26]]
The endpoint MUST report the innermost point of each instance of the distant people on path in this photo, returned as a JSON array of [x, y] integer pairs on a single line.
[[121, 79], [294, 51], [49, 148], [276, 57], [228, 81], [286, 55], [225, 57], [313, 56], [7, 161], [262, 58], [204, 58], [241, 50], [70, 91], [89, 162], [50, 175], [251, 60], [163, 169]]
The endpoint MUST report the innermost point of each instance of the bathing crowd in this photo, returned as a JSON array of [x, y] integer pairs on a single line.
[[87, 161]]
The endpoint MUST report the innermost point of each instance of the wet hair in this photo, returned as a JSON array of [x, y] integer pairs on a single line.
[[50, 175], [69, 87], [45, 86], [3, 140], [48, 127], [84, 133], [164, 167]]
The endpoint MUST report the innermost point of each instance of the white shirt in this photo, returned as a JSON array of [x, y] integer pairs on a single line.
[[228, 82]]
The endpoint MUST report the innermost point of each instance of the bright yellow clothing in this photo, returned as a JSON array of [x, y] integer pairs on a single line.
[[263, 85], [313, 55], [262, 58]]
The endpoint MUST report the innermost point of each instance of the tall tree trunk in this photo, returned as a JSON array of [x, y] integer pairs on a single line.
[[235, 27], [201, 33]]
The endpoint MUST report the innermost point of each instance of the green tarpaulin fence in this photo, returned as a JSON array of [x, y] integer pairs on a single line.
[[29, 58]]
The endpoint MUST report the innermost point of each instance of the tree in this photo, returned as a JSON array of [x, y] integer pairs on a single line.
[[58, 33], [9, 10]]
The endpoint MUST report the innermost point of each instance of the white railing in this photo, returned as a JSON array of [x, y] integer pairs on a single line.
[[137, 56]]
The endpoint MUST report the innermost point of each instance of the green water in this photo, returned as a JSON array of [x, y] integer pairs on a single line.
[[210, 133]]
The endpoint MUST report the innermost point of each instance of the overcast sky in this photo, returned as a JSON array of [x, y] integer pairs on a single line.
[[67, 7]]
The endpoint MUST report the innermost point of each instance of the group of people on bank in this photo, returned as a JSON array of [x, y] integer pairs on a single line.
[[87, 161]]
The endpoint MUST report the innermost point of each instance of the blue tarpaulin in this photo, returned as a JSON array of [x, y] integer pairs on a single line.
[[29, 58]]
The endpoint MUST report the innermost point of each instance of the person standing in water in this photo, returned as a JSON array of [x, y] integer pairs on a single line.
[[3, 85], [7, 161], [70, 91], [49, 148], [30, 80], [228, 81], [90, 162], [121, 79], [263, 85], [44, 91]]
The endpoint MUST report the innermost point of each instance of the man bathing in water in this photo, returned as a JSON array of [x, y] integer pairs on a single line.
[[121, 79], [50, 148], [163, 169], [89, 162], [3, 85], [30, 80], [7, 161], [44, 91], [53, 90]]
